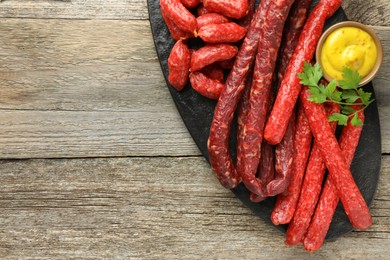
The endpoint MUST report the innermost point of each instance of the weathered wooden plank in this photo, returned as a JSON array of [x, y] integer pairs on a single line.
[[373, 12], [70, 73], [55, 134], [369, 12], [171, 208], [75, 9], [79, 65]]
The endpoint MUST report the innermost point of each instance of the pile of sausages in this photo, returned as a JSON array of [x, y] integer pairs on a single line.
[[219, 33], [284, 141]]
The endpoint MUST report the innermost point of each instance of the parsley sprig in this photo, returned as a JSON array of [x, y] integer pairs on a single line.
[[347, 95]]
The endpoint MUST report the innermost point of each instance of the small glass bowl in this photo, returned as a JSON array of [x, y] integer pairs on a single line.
[[363, 27]]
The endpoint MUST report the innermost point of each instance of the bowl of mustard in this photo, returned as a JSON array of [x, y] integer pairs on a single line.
[[352, 45]]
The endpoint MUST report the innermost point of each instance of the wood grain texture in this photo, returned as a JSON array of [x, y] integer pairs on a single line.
[[171, 208], [74, 9], [73, 78], [373, 12]]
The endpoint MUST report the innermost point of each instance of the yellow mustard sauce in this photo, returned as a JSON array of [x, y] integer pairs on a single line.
[[348, 47]]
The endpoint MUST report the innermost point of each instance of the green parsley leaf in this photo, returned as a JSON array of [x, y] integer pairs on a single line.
[[317, 73], [331, 87], [356, 121], [365, 96], [336, 96], [350, 96], [316, 95], [347, 95], [310, 74], [351, 79], [340, 118], [347, 110]]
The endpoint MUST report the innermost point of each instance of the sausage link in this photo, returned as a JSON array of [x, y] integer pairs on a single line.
[[242, 113], [221, 33], [260, 96], [293, 29], [284, 156], [211, 18], [290, 86], [311, 189], [214, 71], [177, 12], [190, 3], [210, 54], [243, 107], [230, 8], [285, 149], [329, 199], [218, 149], [207, 87], [353, 202], [178, 64], [287, 201], [174, 30], [266, 170]]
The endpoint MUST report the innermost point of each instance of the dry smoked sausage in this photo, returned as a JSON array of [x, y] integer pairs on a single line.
[[266, 170], [178, 64], [221, 33], [290, 86], [329, 199], [180, 15], [287, 201], [211, 18], [174, 30], [218, 149], [311, 188], [260, 96], [285, 149], [207, 87], [190, 3], [210, 54], [230, 8], [350, 196]]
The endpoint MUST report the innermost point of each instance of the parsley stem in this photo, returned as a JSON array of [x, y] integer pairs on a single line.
[[344, 103]]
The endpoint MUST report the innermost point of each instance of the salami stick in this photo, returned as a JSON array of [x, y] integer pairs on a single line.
[[353, 202], [290, 86], [285, 149], [293, 29], [311, 189], [248, 161], [284, 156], [218, 149], [243, 108], [327, 204], [287, 201], [266, 170]]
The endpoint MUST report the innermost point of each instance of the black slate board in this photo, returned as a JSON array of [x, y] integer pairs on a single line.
[[197, 113]]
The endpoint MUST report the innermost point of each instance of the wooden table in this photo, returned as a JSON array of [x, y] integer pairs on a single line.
[[96, 162]]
